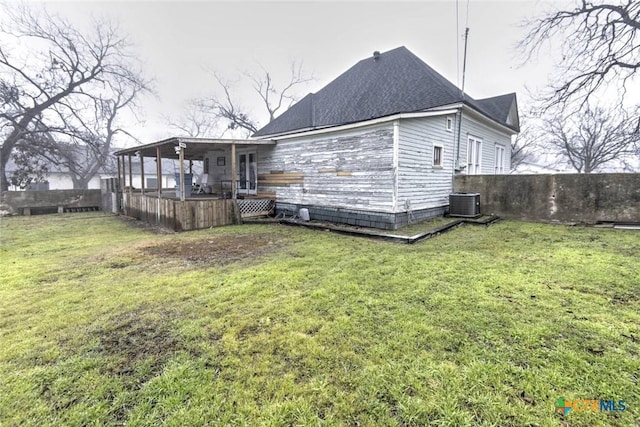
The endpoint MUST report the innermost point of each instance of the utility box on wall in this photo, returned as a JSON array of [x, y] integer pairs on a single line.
[[464, 205]]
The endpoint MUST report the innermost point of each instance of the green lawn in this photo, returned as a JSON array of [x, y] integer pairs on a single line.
[[105, 323]]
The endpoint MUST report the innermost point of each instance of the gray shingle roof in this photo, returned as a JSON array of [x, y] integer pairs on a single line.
[[498, 108], [396, 82]]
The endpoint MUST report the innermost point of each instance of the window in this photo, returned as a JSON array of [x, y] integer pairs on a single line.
[[449, 124], [437, 155], [474, 155], [152, 183], [499, 159]]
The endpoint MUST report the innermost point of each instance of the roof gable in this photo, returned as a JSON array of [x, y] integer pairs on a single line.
[[503, 108], [393, 82]]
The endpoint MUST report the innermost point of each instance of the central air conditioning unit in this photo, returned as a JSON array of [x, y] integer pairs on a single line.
[[464, 205]]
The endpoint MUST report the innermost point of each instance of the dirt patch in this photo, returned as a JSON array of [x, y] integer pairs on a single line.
[[217, 250], [138, 336], [625, 297]]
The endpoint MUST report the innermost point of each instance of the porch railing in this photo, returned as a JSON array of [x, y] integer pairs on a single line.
[[193, 214]]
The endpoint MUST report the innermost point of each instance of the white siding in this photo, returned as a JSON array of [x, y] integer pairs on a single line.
[[346, 169], [63, 181], [168, 181], [420, 183], [426, 186], [355, 168], [491, 136]]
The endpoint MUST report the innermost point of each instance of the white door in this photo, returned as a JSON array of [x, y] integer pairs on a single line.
[[248, 173]]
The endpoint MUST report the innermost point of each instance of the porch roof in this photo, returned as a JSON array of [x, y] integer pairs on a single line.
[[196, 147]]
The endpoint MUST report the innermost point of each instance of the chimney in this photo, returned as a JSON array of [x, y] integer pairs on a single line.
[[376, 55]]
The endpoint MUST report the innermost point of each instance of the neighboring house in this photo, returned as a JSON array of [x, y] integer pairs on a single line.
[[59, 178], [169, 169], [380, 144]]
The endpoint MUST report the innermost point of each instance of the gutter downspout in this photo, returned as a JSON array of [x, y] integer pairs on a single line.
[[457, 167]]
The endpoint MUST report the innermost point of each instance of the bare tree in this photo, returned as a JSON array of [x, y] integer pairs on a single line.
[[90, 131], [229, 109], [525, 144], [44, 84], [600, 45], [592, 139], [273, 97], [196, 121], [521, 150]]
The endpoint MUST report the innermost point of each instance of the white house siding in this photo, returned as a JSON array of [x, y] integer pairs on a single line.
[[491, 136], [420, 184], [350, 169], [168, 181], [63, 181]]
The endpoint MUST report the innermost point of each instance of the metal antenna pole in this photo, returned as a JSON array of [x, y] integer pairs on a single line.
[[464, 70], [464, 58]]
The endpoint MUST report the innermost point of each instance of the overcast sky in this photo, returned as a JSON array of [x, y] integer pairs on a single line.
[[179, 41]]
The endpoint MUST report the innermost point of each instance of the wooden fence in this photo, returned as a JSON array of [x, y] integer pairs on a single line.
[[182, 216]]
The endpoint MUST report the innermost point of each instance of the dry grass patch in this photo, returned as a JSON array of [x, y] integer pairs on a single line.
[[217, 250]]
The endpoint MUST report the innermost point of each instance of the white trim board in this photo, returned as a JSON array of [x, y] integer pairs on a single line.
[[302, 133]]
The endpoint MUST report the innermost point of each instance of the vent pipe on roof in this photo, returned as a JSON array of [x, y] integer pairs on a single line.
[[376, 55]]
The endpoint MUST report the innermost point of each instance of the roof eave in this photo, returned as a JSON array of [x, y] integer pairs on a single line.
[[437, 111], [441, 109], [503, 126], [190, 140]]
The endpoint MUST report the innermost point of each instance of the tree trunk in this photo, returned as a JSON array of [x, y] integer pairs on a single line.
[[80, 183], [4, 183]]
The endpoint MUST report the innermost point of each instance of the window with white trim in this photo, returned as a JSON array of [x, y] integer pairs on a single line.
[[500, 159], [474, 155], [438, 156], [449, 124]]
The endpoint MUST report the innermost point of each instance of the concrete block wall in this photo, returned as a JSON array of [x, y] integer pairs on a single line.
[[24, 202], [568, 198]]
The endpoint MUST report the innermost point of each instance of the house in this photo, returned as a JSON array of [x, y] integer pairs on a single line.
[[58, 177], [377, 147], [169, 168], [381, 143]]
